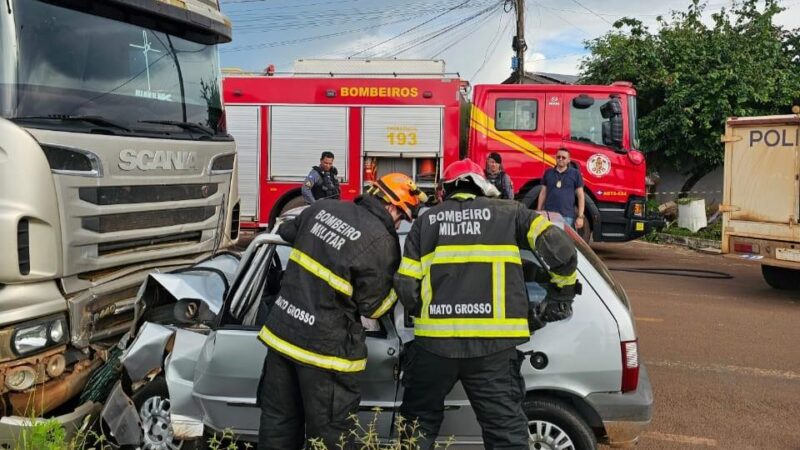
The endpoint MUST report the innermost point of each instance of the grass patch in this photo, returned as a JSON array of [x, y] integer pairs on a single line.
[[712, 232]]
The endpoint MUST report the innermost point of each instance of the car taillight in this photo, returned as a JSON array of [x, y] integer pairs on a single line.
[[630, 366]]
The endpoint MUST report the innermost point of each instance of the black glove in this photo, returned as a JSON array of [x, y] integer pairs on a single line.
[[550, 310], [534, 323], [557, 305]]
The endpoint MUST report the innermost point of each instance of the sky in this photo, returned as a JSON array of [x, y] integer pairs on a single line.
[[473, 37]]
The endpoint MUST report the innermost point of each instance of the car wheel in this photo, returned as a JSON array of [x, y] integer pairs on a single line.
[[154, 408], [553, 424], [781, 277]]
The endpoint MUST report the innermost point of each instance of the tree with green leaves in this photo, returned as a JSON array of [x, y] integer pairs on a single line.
[[691, 76]]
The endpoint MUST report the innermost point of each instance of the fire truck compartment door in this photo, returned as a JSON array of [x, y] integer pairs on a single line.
[[762, 175], [244, 124], [400, 131], [299, 135]]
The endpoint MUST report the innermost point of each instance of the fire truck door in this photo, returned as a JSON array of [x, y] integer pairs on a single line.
[[519, 134]]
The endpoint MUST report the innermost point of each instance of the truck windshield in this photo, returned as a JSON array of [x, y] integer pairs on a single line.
[[586, 123], [74, 65]]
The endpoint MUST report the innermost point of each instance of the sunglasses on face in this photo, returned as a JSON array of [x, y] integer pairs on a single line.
[[561, 157]]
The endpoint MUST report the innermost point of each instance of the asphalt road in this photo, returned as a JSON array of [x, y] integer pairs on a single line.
[[723, 354]]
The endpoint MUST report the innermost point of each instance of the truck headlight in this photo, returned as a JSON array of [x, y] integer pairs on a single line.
[[638, 209], [30, 339], [222, 163], [33, 336]]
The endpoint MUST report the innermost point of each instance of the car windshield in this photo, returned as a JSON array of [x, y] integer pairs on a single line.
[[71, 66]]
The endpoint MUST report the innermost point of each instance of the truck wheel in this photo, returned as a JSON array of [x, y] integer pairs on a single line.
[[153, 404], [292, 204], [590, 211], [295, 202], [781, 277], [532, 197], [591, 215], [554, 424]]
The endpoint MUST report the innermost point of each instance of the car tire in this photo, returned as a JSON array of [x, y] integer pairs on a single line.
[[152, 404], [781, 277], [553, 423]]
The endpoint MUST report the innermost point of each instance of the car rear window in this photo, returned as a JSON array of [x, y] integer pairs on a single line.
[[599, 265]]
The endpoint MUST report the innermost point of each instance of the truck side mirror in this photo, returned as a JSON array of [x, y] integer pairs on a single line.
[[613, 127], [582, 101]]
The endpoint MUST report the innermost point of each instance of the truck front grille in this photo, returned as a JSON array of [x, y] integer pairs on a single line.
[[125, 195], [23, 247], [110, 223], [111, 248]]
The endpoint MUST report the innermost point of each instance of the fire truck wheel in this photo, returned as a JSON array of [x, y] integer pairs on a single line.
[[532, 197], [590, 214], [292, 204], [295, 202]]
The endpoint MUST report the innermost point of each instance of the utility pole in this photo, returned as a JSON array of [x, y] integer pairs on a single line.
[[518, 44]]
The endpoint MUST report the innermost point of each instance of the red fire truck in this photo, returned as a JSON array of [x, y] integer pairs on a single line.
[[372, 126], [412, 125], [528, 123]]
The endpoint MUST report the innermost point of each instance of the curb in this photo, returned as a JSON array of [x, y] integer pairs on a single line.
[[704, 245]]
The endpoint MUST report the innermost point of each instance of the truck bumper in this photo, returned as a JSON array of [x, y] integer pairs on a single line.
[[12, 426], [625, 416], [618, 223]]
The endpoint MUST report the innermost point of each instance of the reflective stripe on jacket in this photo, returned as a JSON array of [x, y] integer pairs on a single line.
[[340, 268], [461, 273]]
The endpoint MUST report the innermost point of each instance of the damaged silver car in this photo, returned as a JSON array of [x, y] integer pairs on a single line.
[[192, 362]]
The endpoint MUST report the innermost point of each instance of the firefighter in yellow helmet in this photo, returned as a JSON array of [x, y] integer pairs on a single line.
[[461, 277], [340, 270]]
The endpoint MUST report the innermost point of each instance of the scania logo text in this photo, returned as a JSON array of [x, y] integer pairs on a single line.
[[157, 159]]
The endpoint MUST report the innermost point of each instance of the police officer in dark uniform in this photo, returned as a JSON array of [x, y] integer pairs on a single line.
[[340, 270], [461, 277], [321, 182]]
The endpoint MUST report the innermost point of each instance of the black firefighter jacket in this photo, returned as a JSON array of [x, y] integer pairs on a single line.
[[461, 273], [341, 265]]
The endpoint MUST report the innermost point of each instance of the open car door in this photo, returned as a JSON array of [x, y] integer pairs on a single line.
[[228, 372]]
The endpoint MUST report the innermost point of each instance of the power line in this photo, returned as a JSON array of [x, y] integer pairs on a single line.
[[563, 19], [597, 15], [306, 39], [460, 38], [411, 29], [492, 45], [452, 27]]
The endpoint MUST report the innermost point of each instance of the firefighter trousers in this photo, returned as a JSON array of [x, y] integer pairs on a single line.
[[300, 402], [493, 384]]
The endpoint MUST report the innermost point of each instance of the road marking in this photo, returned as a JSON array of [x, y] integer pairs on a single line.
[[722, 368], [681, 439], [648, 319]]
